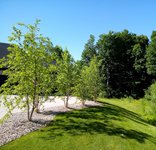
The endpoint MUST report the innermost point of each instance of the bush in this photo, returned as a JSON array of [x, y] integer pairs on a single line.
[[150, 94], [150, 102]]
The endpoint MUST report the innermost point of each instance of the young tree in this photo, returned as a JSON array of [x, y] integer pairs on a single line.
[[93, 78], [29, 67], [150, 96], [81, 88], [65, 75], [88, 86]]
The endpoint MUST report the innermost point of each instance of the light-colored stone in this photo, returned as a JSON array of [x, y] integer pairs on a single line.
[[18, 125]]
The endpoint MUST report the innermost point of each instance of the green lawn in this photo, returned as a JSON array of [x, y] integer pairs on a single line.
[[114, 126]]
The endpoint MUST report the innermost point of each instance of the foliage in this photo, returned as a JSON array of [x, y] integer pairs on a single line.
[[57, 53], [89, 51], [139, 52], [29, 65], [150, 106], [151, 55], [123, 64], [151, 93], [65, 75], [81, 88], [88, 85]]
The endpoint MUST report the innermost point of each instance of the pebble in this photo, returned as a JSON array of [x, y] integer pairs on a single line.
[[18, 125]]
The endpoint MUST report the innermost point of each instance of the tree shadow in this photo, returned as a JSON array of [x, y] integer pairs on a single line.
[[96, 120]]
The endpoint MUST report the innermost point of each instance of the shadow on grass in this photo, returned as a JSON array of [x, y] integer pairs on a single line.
[[152, 122], [96, 120]]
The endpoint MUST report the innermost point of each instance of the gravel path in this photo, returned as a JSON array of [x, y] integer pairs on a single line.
[[18, 125]]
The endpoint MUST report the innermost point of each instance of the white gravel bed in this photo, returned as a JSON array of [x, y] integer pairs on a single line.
[[18, 125]]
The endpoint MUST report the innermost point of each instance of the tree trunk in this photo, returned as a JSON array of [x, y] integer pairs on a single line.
[[27, 101], [67, 98], [35, 98], [34, 95], [34, 102], [83, 102], [107, 79], [32, 111], [37, 104]]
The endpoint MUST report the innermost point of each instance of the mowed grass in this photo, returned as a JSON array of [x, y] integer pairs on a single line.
[[116, 125]]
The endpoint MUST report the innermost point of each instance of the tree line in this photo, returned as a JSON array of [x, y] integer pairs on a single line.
[[127, 62], [119, 64]]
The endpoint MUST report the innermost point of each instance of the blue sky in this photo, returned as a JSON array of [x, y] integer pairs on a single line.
[[69, 23]]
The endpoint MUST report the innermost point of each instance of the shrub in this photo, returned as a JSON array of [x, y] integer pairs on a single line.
[[150, 102]]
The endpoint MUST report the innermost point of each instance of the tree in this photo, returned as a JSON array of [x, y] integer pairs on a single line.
[[89, 50], [57, 53], [150, 96], [93, 78], [88, 82], [151, 55], [29, 65], [139, 52], [81, 88], [142, 79], [122, 68], [65, 75]]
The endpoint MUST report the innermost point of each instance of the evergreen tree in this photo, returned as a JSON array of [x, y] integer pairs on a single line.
[[89, 51]]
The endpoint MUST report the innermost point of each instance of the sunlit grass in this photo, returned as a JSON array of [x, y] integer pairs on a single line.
[[117, 125], [144, 108]]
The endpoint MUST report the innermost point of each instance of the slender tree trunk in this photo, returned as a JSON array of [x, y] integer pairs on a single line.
[[107, 78], [107, 72], [32, 111], [27, 101], [67, 98], [34, 100], [37, 104], [34, 95], [83, 102]]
